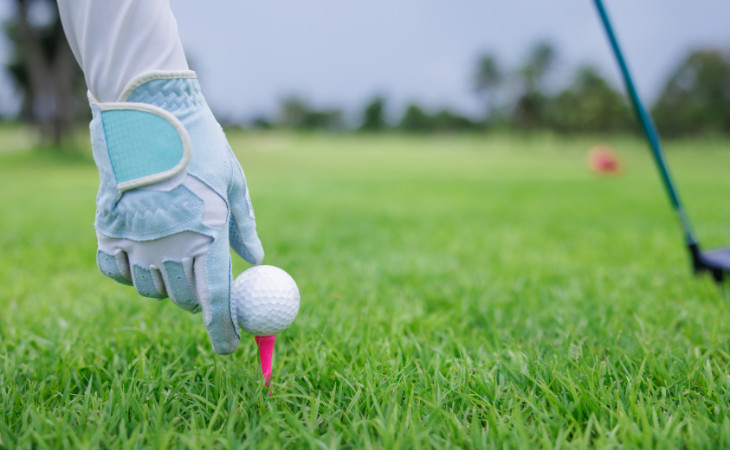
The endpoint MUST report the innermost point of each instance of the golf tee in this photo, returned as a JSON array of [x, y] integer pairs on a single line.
[[266, 354]]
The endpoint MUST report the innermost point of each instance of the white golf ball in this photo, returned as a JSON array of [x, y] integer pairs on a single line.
[[267, 300]]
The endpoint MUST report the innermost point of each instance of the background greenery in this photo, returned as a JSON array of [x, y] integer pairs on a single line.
[[457, 291], [533, 94]]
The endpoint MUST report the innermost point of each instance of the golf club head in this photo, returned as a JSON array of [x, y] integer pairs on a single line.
[[716, 262]]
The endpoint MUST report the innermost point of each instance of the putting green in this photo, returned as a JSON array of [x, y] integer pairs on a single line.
[[457, 291]]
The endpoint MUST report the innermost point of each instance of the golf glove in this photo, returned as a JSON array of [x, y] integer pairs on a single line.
[[172, 198]]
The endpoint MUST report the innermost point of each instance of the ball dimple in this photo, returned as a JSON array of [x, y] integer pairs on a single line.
[[267, 300]]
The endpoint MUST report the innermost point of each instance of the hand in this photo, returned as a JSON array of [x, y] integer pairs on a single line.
[[172, 197]]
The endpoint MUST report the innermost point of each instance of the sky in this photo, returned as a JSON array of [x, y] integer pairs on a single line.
[[340, 53]]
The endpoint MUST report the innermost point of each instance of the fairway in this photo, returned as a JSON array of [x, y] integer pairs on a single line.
[[457, 292]]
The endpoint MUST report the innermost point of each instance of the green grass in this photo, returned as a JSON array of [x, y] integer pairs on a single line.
[[457, 292]]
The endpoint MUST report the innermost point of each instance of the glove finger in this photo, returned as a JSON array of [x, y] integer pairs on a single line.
[[114, 266], [245, 241], [179, 281], [148, 281], [213, 285], [242, 226]]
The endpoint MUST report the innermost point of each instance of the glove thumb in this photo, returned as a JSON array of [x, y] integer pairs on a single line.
[[242, 224]]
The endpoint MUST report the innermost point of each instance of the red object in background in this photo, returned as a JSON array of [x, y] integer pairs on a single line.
[[603, 160]]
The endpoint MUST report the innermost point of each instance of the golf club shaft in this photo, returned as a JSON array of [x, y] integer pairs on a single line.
[[648, 126]]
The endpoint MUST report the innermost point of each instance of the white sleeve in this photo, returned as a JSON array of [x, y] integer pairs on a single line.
[[116, 40]]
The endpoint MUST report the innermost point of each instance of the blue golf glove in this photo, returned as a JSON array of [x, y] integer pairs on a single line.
[[172, 198]]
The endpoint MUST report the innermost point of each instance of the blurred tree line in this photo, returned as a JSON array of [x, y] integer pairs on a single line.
[[694, 101], [43, 70]]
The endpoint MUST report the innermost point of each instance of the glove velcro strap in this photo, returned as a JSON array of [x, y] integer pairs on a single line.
[[146, 144]]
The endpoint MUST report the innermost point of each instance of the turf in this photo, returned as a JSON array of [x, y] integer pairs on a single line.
[[457, 292]]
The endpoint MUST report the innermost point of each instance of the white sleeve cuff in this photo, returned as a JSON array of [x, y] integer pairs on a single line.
[[114, 41]]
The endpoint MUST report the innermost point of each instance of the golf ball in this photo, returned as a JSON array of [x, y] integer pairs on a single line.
[[267, 300]]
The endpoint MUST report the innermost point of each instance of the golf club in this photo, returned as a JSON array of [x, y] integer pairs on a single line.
[[716, 262]]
